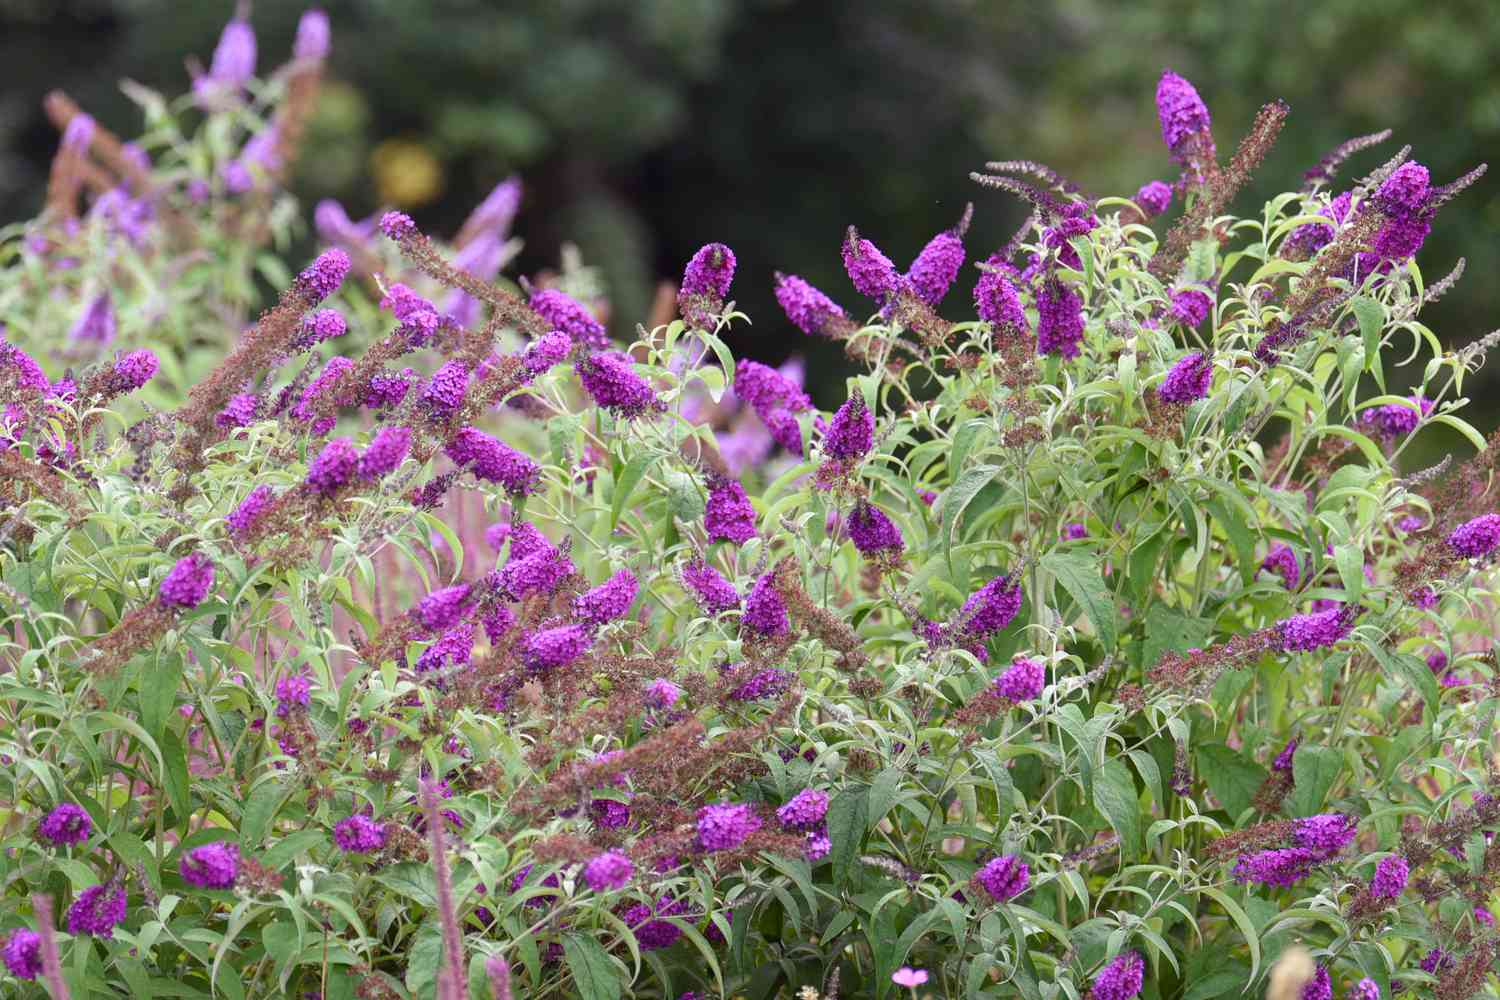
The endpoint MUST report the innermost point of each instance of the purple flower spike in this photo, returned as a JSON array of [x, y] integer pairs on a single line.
[[1191, 307], [212, 866], [710, 272], [445, 392], [1004, 877], [494, 461], [607, 601], [1326, 833], [1390, 877], [397, 226], [1321, 987], [997, 303], [1121, 979], [1154, 197], [334, 467], [765, 612], [313, 36], [613, 383], [135, 369], [728, 516], [234, 57], [1304, 633], [68, 825], [359, 834], [568, 315], [805, 810], [1477, 538], [442, 609], [323, 276], [1182, 112], [556, 647], [97, 911], [1366, 989], [610, 870], [1278, 868], [188, 583], [96, 324], [23, 953], [715, 594], [851, 433], [1282, 561], [992, 607], [871, 271], [385, 452], [255, 504], [810, 310], [723, 827], [1188, 380], [872, 532], [1022, 681], [662, 693], [934, 269], [1059, 325]]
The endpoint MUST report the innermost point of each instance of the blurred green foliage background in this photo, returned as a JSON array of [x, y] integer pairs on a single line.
[[644, 128]]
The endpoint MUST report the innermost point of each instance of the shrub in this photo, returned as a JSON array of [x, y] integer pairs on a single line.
[[418, 640]]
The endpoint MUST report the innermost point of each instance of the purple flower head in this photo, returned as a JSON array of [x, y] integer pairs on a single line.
[[1390, 877], [1283, 762], [68, 825], [1406, 191], [397, 226], [1484, 917], [909, 977], [234, 57], [710, 272], [1366, 989], [871, 271], [1191, 307], [872, 532], [1282, 561], [1075, 530], [765, 612], [1320, 988], [318, 326], [1318, 630], [256, 503], [662, 693], [97, 911], [313, 35], [28, 374], [556, 647], [767, 683], [96, 324], [990, 608], [569, 316], [334, 467], [1188, 380], [728, 516], [650, 934], [818, 845], [715, 594], [239, 411], [1059, 325], [1022, 681], [293, 691], [1326, 833], [385, 452], [934, 269], [1279, 868], [997, 303], [323, 276], [1182, 112], [494, 461], [610, 870], [78, 135], [723, 827], [135, 369], [445, 391], [1154, 197], [212, 866], [454, 648], [497, 621], [1435, 961], [1437, 661], [546, 351], [306, 408], [768, 390], [359, 834], [1424, 597], [809, 309], [1477, 538], [1394, 420], [805, 810], [613, 383], [188, 582], [23, 953], [1121, 979], [537, 572], [851, 433], [442, 609], [608, 601], [1004, 877]]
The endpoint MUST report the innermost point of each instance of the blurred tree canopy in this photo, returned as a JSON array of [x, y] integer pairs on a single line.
[[644, 129]]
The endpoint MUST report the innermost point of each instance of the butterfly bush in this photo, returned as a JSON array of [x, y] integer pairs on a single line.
[[411, 634]]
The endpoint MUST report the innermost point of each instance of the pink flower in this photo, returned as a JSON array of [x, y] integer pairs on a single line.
[[909, 977]]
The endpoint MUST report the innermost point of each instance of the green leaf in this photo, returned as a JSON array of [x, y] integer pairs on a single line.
[[594, 975], [848, 816], [410, 880], [1404, 666], [1115, 796], [1314, 770], [1080, 577], [1351, 565], [1371, 317], [159, 680], [956, 497], [260, 810], [1232, 779], [1169, 630], [626, 484], [1242, 921], [174, 760]]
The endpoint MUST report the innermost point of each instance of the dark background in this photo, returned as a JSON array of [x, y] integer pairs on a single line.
[[644, 128]]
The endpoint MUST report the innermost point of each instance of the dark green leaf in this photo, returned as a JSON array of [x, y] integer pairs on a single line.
[[1314, 770], [1232, 779], [848, 816], [1079, 575], [594, 975], [1115, 796], [956, 497]]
